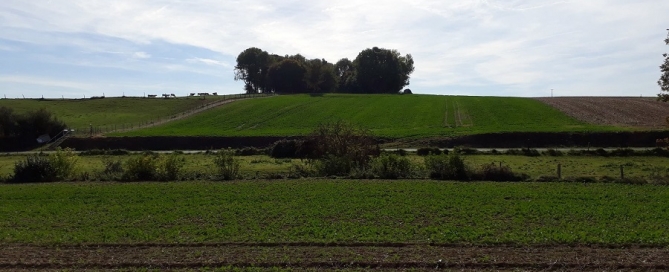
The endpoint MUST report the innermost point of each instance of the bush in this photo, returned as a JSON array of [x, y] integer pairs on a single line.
[[58, 166], [112, 170], [170, 167], [531, 152], [141, 168], [392, 167], [465, 150], [447, 167], [495, 172], [35, 168], [64, 163], [250, 151], [553, 153], [286, 149], [426, 151], [332, 165], [227, 165], [339, 148]]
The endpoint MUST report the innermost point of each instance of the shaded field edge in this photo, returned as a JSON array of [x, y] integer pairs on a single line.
[[338, 244], [555, 266], [419, 257]]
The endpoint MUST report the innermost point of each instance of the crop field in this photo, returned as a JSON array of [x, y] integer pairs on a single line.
[[81, 113], [385, 115], [347, 224], [615, 111]]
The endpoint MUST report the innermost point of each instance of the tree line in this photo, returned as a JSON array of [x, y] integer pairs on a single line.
[[30, 125], [374, 70]]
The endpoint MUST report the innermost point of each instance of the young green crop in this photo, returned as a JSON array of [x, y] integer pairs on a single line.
[[81, 113], [334, 211], [385, 115]]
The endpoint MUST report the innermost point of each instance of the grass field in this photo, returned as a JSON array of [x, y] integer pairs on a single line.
[[384, 115], [335, 211], [261, 166], [81, 113]]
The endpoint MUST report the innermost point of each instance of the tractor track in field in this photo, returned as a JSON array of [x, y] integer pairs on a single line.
[[332, 256], [179, 116]]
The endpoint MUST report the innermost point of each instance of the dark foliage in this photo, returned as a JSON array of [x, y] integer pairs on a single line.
[[374, 70], [35, 168]]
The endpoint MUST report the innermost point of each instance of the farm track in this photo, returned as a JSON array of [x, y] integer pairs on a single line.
[[616, 111], [179, 116], [332, 256]]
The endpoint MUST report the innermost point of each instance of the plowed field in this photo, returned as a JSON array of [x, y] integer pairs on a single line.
[[616, 111], [324, 256]]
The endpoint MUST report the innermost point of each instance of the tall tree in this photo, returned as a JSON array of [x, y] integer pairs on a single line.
[[345, 72], [664, 78], [287, 77], [252, 66], [381, 70]]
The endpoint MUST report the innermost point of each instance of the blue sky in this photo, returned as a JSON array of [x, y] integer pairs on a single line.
[[77, 48]]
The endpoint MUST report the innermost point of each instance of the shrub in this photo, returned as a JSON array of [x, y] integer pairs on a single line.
[[286, 149], [141, 168], [35, 168], [227, 165], [250, 151], [424, 151], [447, 167], [338, 148], [400, 152], [170, 167], [332, 165], [622, 152], [553, 152], [112, 170], [531, 152], [392, 167], [495, 172], [64, 163], [465, 150], [58, 166]]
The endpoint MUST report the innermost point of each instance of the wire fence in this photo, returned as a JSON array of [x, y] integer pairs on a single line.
[[94, 130]]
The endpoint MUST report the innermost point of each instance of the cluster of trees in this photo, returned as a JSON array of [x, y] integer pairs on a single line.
[[374, 70], [30, 125]]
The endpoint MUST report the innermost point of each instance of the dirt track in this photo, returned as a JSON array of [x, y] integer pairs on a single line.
[[616, 111], [315, 256]]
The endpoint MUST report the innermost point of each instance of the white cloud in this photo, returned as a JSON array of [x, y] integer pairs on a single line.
[[505, 45], [208, 62], [141, 55]]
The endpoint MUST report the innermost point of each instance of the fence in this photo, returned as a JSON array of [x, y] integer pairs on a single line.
[[111, 128]]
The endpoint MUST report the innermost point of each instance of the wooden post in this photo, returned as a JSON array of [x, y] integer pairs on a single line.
[[559, 171], [622, 172]]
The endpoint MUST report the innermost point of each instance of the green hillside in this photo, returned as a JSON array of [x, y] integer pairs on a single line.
[[80, 113], [384, 115]]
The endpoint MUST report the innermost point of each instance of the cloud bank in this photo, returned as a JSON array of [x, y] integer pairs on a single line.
[[505, 48]]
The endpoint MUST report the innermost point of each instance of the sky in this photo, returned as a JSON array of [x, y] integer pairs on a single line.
[[83, 48]]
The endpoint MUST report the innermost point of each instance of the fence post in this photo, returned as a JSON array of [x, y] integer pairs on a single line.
[[559, 171], [622, 172]]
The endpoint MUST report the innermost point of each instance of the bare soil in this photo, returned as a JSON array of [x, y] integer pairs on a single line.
[[617, 111], [332, 256]]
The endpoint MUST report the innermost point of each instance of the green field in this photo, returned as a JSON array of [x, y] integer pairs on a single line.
[[81, 113], [385, 115], [334, 211]]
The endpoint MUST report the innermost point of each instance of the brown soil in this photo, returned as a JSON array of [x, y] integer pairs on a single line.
[[616, 111], [394, 256]]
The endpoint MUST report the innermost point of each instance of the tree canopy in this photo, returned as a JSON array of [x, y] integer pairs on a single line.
[[374, 70], [664, 78]]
